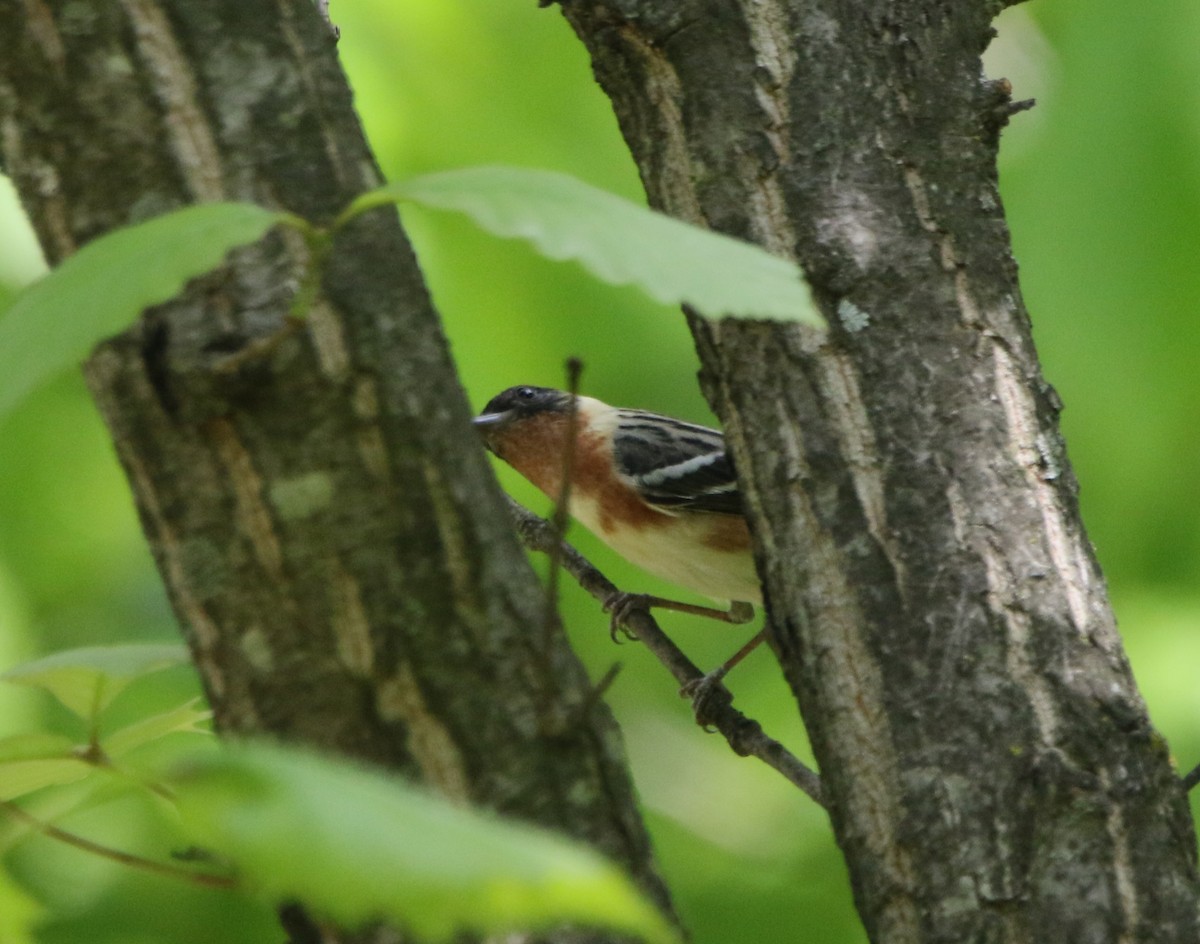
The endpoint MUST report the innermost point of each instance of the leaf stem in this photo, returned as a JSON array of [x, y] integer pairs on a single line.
[[116, 855], [319, 242]]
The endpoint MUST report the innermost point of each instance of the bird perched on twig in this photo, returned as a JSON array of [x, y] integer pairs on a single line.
[[659, 491]]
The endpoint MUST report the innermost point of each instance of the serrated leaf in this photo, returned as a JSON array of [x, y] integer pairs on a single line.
[[357, 846], [101, 289], [184, 718], [87, 680], [616, 240]]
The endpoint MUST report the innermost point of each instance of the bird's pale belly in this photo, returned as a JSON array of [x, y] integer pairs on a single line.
[[676, 551]]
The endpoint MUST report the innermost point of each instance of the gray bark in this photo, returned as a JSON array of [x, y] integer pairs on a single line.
[[935, 604], [330, 534]]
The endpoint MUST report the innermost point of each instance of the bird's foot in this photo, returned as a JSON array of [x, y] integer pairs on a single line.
[[621, 606], [708, 696]]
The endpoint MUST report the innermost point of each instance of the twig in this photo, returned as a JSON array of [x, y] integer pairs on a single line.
[[562, 507], [744, 735], [1191, 778], [116, 855], [259, 347], [599, 689]]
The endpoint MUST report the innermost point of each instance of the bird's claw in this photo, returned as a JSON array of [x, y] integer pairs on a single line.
[[708, 696], [622, 605]]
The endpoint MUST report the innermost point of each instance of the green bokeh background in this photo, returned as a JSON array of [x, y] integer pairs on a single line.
[[1102, 186]]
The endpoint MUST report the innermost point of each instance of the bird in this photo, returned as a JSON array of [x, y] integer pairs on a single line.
[[659, 491]]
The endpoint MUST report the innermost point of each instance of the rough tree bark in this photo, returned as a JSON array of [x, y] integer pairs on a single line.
[[937, 608], [329, 531]]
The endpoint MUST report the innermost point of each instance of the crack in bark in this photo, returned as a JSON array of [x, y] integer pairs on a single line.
[[1123, 872], [1067, 556], [257, 520], [191, 135], [398, 698], [350, 624], [664, 91]]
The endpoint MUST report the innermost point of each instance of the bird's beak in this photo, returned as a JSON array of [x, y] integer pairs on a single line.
[[486, 422], [488, 425]]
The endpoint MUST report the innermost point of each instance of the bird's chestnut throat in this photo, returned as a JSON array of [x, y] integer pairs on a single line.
[[534, 448]]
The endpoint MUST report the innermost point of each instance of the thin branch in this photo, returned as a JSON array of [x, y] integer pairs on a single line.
[[562, 507], [116, 855], [1191, 778], [745, 735]]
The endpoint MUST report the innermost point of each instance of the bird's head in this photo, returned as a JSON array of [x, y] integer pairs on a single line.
[[517, 410]]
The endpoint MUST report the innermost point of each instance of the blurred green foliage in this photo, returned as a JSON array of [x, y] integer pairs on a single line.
[[1102, 187]]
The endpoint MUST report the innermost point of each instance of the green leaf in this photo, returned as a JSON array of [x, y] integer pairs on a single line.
[[18, 912], [87, 680], [31, 761], [18, 778], [184, 718], [617, 241], [101, 289], [357, 846], [36, 745]]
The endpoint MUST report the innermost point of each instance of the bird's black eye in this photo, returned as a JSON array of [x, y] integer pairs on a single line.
[[526, 393]]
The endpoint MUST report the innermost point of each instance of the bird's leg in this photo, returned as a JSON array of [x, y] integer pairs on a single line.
[[722, 670], [701, 690], [622, 604]]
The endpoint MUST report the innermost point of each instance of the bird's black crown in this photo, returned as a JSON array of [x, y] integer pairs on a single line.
[[526, 401]]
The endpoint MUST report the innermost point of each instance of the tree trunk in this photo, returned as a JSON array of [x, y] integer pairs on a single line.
[[939, 614], [331, 536]]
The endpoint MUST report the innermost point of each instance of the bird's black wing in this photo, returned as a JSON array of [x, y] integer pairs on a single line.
[[674, 465]]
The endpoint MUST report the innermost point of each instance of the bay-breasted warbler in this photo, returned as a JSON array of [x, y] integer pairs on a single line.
[[659, 491]]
